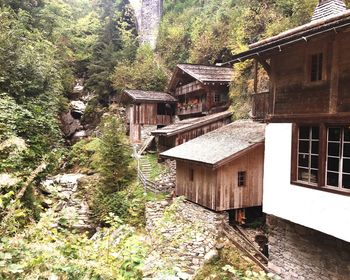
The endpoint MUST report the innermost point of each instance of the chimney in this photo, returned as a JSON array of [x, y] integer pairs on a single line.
[[327, 8]]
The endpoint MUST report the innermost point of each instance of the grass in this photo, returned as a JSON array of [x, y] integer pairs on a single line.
[[228, 256], [156, 168]]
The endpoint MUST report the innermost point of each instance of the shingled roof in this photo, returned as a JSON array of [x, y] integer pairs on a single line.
[[327, 8], [189, 124], [205, 73], [148, 96], [220, 145]]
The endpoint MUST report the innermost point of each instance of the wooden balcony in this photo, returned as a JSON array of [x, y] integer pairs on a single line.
[[191, 87], [193, 109], [260, 106], [164, 119]]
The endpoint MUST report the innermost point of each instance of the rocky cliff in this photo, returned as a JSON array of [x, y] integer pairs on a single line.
[[148, 14]]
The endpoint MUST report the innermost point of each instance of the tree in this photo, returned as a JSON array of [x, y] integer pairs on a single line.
[[145, 72], [117, 168]]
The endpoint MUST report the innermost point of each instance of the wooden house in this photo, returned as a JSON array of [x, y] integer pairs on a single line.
[[223, 169], [200, 89], [146, 111], [187, 129], [307, 143]]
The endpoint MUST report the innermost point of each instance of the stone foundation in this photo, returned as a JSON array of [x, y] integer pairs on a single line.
[[298, 252]]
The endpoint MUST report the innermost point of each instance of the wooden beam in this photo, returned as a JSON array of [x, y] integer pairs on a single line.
[[265, 65], [334, 84], [256, 75]]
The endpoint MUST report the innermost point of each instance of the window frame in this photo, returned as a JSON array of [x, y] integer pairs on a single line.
[[242, 179], [191, 174], [322, 164], [308, 65]]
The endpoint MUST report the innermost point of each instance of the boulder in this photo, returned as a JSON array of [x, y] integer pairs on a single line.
[[77, 109], [69, 125]]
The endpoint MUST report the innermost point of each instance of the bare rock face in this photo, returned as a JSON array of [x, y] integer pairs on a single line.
[[69, 125]]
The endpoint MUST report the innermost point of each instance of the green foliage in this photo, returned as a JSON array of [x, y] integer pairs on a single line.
[[144, 73], [116, 41], [42, 251], [84, 156], [117, 166]]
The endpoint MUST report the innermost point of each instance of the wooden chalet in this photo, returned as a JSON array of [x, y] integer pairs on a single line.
[[307, 143], [187, 129], [200, 89], [223, 169], [146, 111]]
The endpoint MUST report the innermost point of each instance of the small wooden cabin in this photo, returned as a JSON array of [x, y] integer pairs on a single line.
[[223, 169], [200, 89], [146, 111], [188, 129]]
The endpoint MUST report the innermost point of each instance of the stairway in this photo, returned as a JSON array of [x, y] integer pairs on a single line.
[[145, 167]]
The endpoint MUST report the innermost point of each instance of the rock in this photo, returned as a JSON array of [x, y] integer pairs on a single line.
[[69, 125], [77, 109], [183, 276], [7, 180], [79, 135], [211, 255], [164, 203]]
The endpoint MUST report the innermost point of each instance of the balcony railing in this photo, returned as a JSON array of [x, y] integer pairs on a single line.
[[191, 109], [260, 105], [191, 87]]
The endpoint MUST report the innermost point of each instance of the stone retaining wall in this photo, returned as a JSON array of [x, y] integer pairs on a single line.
[[183, 236], [297, 252], [167, 181]]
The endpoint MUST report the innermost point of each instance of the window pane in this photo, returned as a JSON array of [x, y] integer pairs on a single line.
[[314, 147], [333, 149], [347, 134], [315, 132], [346, 181], [334, 134], [304, 146], [314, 176], [314, 162], [304, 132], [304, 160], [332, 179], [303, 174], [346, 150], [346, 165], [333, 164]]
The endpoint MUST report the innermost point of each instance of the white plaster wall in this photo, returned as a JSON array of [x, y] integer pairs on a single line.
[[319, 210]]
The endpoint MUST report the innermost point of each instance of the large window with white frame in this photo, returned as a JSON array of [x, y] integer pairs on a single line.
[[321, 157]]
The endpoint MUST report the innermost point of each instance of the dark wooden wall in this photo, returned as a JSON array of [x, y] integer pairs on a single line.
[[218, 189], [168, 142], [293, 93]]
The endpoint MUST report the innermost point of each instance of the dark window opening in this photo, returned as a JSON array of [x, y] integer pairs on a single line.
[[316, 67], [217, 98], [242, 177], [338, 157], [191, 174]]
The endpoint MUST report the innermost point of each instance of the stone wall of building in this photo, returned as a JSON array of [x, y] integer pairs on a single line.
[[297, 252]]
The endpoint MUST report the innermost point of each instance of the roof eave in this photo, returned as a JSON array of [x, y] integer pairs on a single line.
[[269, 46]]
